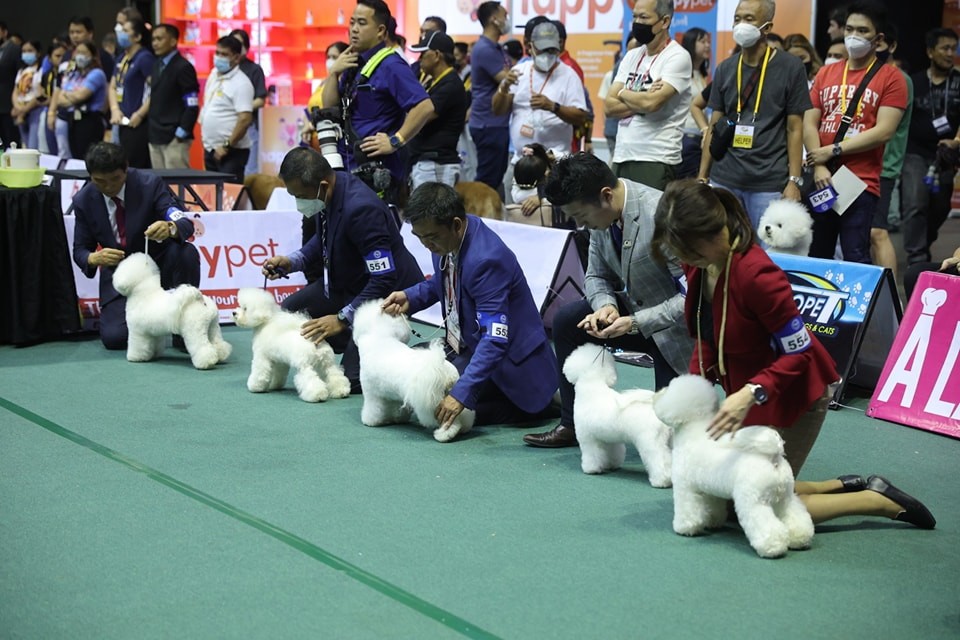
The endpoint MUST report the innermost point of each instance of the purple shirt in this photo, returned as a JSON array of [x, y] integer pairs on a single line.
[[486, 61]]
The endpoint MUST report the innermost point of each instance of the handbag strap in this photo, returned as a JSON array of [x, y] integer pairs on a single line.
[[848, 117]]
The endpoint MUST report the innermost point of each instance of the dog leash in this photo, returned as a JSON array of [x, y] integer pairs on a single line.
[[276, 270]]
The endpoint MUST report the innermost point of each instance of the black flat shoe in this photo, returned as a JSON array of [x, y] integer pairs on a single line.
[[913, 512], [852, 484]]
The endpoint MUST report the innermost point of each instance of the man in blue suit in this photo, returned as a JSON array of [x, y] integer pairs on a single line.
[[494, 332], [357, 244], [116, 213]]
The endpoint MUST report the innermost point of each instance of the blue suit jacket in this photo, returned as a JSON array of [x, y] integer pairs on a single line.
[[367, 257], [147, 200], [495, 299]]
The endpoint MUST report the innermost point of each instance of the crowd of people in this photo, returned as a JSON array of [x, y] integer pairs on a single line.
[[673, 268]]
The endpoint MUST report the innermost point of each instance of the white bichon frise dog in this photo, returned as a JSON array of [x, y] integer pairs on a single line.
[[401, 384], [606, 420], [153, 314], [278, 346], [786, 227], [748, 468]]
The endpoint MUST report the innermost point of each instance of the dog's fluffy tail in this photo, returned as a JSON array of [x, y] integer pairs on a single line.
[[762, 440], [429, 383]]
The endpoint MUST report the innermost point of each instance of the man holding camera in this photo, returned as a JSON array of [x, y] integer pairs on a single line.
[[759, 97], [384, 106]]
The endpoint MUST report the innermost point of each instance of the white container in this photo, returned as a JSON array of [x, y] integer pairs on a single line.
[[20, 159]]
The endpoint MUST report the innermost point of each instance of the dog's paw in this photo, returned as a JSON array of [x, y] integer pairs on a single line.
[[446, 435], [314, 395]]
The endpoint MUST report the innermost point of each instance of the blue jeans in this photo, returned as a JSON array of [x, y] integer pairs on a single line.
[[755, 202], [853, 228], [493, 146]]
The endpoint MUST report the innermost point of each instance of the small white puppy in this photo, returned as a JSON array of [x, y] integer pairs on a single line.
[[278, 345], [606, 419], [786, 227], [402, 384], [748, 468], [153, 314]]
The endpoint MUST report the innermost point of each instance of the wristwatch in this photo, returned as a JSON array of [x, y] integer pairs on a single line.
[[797, 180], [837, 149], [342, 317], [759, 393], [556, 108], [395, 141], [634, 327]]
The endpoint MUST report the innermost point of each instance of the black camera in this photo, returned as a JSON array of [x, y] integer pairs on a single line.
[[328, 124]]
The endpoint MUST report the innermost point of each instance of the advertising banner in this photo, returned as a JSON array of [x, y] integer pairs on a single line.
[[920, 384], [233, 247]]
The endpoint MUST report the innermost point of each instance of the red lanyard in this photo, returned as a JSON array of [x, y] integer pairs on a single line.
[[646, 75], [533, 68]]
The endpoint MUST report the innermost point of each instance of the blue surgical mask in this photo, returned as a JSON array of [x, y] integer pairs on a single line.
[[309, 207], [29, 58], [123, 40], [222, 64]]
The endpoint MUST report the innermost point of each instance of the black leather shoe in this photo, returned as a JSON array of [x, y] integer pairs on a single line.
[[852, 483], [559, 436], [913, 512]]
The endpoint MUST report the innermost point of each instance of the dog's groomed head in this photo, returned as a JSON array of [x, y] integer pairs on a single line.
[[255, 307], [590, 360], [685, 399], [371, 320], [786, 227], [133, 270]]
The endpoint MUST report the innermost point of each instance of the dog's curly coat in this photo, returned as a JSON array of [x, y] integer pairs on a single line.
[[786, 227]]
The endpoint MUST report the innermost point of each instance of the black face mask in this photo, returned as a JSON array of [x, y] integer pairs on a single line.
[[883, 56], [642, 33]]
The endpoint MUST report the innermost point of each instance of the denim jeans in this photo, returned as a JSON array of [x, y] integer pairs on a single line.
[[853, 229], [755, 202]]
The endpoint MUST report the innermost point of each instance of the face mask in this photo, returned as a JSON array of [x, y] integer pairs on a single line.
[[545, 61], [221, 63], [832, 61], [883, 56], [28, 58], [857, 47], [519, 194], [118, 29], [309, 207], [329, 64], [642, 33], [746, 35], [505, 26], [123, 40], [82, 61]]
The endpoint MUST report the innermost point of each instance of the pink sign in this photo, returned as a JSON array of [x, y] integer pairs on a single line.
[[920, 383]]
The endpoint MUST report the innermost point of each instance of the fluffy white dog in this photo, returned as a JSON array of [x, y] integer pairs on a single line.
[[153, 314], [278, 346], [786, 227], [606, 420], [402, 384], [748, 468]]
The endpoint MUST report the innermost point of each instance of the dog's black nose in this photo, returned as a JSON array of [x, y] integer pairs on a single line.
[[767, 228]]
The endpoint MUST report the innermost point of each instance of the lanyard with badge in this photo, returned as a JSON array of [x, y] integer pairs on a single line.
[[941, 124], [121, 77], [743, 134], [536, 121]]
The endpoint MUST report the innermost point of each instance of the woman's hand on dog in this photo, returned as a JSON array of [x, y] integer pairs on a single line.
[[447, 411], [732, 412], [396, 303], [322, 328]]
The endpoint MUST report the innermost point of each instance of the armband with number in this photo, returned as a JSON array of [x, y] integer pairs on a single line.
[[793, 337]]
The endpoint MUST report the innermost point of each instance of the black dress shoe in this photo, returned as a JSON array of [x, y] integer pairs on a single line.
[[559, 436], [852, 483], [913, 512]]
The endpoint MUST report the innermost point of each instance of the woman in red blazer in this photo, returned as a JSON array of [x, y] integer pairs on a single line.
[[751, 339]]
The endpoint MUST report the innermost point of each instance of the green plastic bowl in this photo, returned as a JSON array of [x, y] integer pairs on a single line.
[[21, 178]]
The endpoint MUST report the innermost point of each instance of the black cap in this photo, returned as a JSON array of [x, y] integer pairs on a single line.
[[436, 40]]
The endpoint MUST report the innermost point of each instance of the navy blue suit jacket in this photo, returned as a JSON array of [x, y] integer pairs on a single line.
[[501, 329], [147, 200], [367, 257]]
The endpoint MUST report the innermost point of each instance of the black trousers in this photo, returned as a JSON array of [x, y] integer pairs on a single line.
[[179, 264], [85, 132], [234, 162], [567, 337], [134, 142], [315, 302]]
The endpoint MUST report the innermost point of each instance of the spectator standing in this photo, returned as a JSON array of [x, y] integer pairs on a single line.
[[174, 102], [697, 43], [490, 132], [927, 183], [82, 99], [582, 134], [129, 101], [874, 121], [651, 98], [433, 153], [9, 63], [227, 112], [50, 80], [764, 91], [254, 73], [28, 96]]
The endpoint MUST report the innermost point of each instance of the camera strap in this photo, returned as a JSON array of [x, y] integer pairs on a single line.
[[351, 88], [847, 119]]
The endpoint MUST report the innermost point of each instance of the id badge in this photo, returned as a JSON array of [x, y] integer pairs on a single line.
[[942, 125], [77, 115], [743, 136], [119, 94], [851, 133], [453, 330], [526, 131]]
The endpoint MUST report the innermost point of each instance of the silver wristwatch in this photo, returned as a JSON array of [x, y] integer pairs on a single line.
[[797, 180], [634, 327]]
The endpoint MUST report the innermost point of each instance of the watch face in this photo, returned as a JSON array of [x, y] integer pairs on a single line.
[[760, 394]]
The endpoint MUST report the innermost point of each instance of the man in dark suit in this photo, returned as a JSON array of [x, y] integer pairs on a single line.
[[174, 102], [357, 244], [116, 212], [494, 332]]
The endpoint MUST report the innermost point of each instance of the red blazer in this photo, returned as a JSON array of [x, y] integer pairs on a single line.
[[760, 306]]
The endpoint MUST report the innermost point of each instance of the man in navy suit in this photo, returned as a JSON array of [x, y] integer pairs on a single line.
[[117, 212], [494, 332], [357, 245]]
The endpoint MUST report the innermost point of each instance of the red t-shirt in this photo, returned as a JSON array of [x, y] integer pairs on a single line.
[[886, 89]]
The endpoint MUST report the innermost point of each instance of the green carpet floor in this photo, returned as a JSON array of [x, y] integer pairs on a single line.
[[157, 501]]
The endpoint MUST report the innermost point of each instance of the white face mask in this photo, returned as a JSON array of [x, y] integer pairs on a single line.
[[505, 26], [545, 61], [329, 64], [746, 35], [520, 194], [309, 207], [857, 47], [832, 61]]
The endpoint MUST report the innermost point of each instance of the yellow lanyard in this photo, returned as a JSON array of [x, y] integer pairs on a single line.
[[763, 75], [439, 78], [843, 90]]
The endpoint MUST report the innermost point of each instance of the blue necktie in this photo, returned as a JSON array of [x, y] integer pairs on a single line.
[[616, 234]]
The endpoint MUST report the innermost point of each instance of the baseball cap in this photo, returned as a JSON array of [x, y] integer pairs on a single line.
[[436, 40], [545, 36]]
